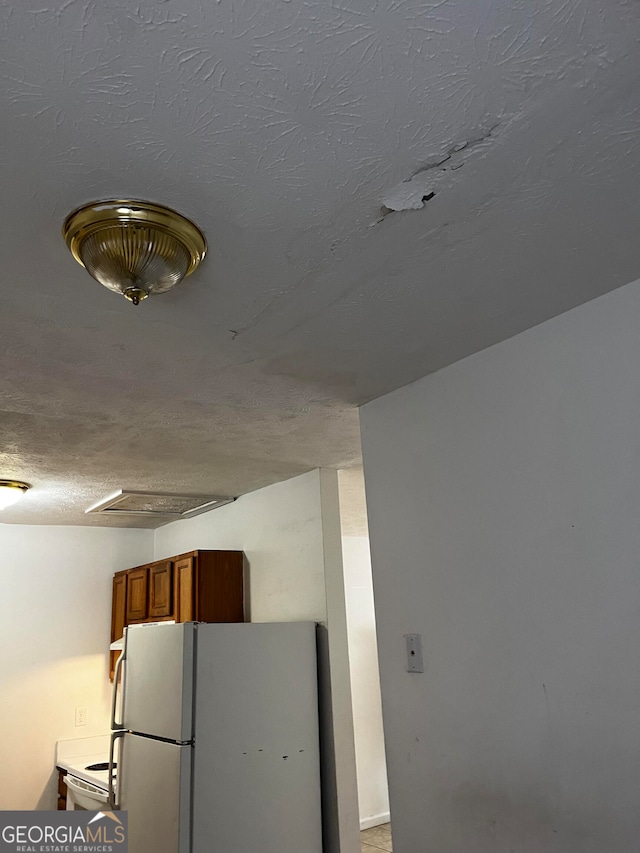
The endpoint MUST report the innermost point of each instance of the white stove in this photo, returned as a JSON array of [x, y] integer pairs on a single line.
[[86, 761]]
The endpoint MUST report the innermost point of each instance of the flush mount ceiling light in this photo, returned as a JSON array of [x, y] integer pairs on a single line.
[[135, 248], [11, 491]]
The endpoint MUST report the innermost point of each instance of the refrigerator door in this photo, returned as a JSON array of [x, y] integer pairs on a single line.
[[154, 787], [256, 771], [158, 681]]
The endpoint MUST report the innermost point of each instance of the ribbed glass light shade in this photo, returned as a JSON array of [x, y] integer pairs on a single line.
[[135, 248], [134, 261]]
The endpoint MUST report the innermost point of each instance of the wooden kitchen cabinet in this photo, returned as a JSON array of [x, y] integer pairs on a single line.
[[118, 615], [62, 791], [160, 590], [184, 587], [137, 584], [201, 586], [209, 586]]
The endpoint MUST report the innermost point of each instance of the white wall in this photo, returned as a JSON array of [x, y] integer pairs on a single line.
[[504, 507], [373, 792], [279, 528], [55, 622]]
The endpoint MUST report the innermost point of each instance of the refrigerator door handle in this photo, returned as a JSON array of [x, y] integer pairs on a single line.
[[114, 697], [111, 790]]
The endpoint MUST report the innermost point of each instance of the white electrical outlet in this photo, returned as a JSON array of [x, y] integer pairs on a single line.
[[81, 716]]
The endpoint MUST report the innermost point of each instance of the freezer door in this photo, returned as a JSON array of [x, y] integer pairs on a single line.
[[256, 773], [154, 787], [158, 681]]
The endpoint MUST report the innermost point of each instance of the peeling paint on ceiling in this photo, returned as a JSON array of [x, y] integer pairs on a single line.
[[485, 131], [422, 186]]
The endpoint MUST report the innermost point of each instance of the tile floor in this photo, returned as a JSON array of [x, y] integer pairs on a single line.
[[376, 839]]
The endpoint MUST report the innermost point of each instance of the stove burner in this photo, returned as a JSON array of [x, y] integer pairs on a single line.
[[101, 765]]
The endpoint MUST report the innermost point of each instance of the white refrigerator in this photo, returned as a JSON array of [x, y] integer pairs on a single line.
[[216, 738]]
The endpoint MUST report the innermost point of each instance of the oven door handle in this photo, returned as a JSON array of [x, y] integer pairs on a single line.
[[85, 788], [111, 791]]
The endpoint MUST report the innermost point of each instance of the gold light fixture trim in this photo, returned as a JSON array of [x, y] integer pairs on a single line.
[[11, 491], [136, 248]]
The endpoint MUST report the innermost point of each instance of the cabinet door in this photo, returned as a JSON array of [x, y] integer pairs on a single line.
[[137, 594], [160, 589], [219, 593], [119, 606], [184, 590], [118, 616], [62, 791]]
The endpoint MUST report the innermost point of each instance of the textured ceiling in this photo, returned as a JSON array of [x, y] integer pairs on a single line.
[[386, 186]]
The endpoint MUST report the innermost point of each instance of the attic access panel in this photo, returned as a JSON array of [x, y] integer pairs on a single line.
[[158, 504]]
